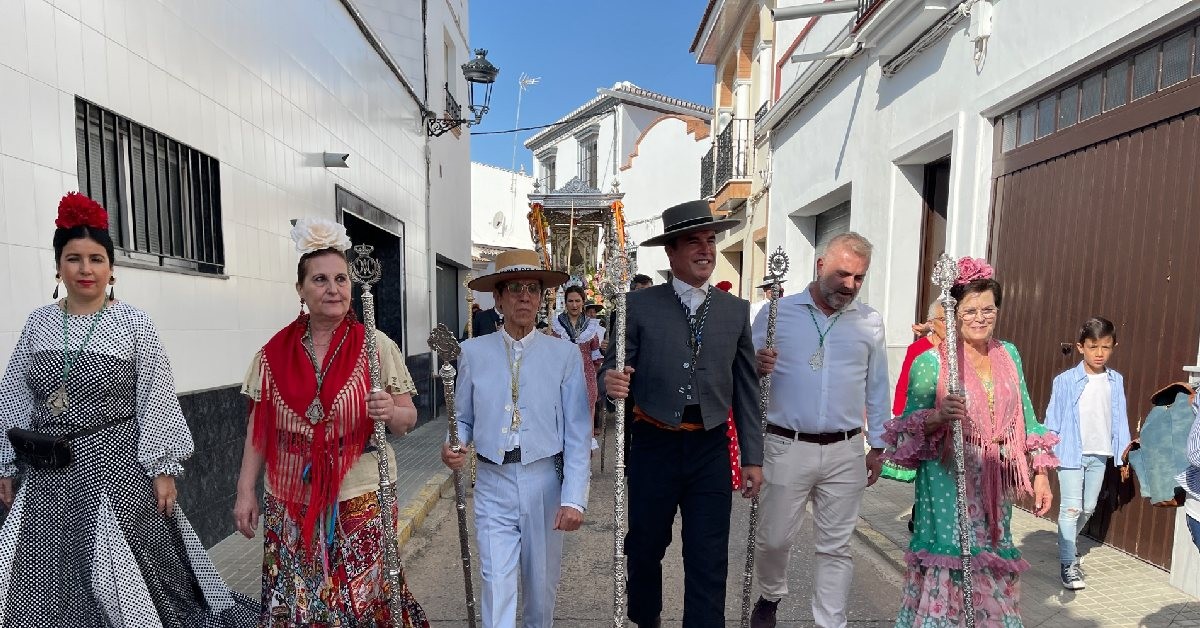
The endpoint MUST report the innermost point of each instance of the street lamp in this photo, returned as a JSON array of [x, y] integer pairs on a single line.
[[480, 75]]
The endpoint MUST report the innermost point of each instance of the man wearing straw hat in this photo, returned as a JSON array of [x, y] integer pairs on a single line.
[[689, 359], [521, 399]]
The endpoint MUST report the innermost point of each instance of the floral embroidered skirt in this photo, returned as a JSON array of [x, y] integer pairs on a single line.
[[340, 585], [933, 598]]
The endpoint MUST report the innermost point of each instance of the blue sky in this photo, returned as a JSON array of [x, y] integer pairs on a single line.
[[575, 47]]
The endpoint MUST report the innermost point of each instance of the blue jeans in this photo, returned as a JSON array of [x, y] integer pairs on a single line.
[[1079, 490], [1194, 528]]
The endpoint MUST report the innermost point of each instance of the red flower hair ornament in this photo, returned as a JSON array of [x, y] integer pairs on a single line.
[[75, 209], [972, 269], [725, 286]]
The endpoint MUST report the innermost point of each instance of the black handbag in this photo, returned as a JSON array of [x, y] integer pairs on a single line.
[[40, 450], [47, 451]]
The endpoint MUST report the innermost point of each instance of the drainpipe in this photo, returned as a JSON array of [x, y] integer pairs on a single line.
[[430, 255]]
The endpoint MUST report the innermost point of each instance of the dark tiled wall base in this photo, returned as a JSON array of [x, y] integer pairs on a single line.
[[429, 387], [208, 488]]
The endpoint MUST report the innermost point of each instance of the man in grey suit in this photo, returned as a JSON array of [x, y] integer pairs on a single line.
[[689, 359]]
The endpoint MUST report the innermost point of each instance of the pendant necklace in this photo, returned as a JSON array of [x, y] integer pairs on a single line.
[[59, 401], [316, 412], [818, 357], [514, 373], [695, 339]]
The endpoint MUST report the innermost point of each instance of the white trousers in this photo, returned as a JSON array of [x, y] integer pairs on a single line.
[[515, 506], [832, 477]]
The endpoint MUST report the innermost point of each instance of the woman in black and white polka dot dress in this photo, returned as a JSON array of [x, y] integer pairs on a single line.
[[99, 541]]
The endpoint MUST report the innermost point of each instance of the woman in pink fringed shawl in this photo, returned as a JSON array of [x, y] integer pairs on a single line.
[[1007, 455]]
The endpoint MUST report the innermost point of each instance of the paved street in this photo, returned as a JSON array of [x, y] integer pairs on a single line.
[[1122, 591], [585, 596]]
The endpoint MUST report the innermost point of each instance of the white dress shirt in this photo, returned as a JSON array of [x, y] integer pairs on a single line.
[[514, 350], [850, 385], [690, 295]]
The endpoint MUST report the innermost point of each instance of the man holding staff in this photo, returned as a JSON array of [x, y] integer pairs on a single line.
[[829, 368], [688, 359], [521, 400]]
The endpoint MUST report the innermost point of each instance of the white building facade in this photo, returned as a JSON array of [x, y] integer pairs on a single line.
[[203, 127], [974, 128], [499, 210], [648, 143]]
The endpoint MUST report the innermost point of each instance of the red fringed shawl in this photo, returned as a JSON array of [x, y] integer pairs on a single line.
[[306, 463]]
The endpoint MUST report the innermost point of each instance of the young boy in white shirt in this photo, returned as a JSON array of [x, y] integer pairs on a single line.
[[1088, 413]]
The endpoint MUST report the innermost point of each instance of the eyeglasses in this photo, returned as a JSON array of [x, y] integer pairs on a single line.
[[514, 287], [986, 313]]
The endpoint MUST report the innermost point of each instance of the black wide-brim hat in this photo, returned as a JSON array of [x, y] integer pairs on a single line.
[[593, 306], [686, 218]]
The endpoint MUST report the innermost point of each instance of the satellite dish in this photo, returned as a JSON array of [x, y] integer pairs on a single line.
[[498, 221]]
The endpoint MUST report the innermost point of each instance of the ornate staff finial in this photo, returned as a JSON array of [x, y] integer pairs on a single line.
[[945, 271], [443, 343], [777, 265], [365, 269]]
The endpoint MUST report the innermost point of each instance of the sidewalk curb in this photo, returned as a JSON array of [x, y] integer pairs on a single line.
[[413, 513], [888, 551]]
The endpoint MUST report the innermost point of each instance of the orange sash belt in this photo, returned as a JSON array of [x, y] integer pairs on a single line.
[[640, 415]]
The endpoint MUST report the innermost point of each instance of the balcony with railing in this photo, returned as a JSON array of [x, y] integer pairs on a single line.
[[725, 170], [865, 9]]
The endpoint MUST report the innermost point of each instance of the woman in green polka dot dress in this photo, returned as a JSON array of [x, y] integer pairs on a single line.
[[1007, 454]]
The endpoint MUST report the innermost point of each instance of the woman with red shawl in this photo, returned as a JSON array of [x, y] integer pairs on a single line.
[[311, 426]]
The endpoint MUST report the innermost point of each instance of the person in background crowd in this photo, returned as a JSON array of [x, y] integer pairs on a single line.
[[1190, 478]]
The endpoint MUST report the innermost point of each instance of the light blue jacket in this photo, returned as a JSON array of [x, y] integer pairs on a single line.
[[1062, 415], [555, 415]]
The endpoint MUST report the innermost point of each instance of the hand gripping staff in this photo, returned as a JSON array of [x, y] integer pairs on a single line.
[[777, 267], [944, 274], [442, 341], [366, 271]]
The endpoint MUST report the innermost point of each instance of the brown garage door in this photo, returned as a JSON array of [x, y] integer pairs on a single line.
[[1103, 218]]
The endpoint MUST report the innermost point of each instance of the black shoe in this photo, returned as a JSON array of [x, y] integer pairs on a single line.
[[1072, 579], [764, 613], [655, 623]]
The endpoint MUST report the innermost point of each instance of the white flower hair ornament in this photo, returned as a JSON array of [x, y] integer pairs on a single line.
[[315, 234]]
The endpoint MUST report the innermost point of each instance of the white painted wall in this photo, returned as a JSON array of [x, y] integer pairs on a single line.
[[665, 172], [500, 191], [259, 88], [868, 133]]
